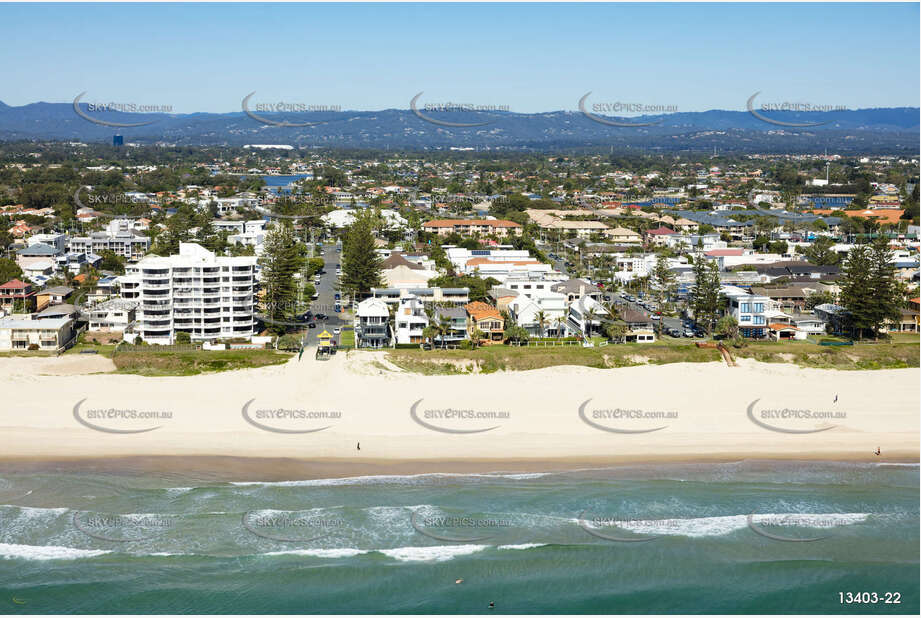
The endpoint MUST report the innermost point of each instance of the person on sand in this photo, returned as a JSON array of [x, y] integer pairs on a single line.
[[358, 446], [836, 398], [877, 451]]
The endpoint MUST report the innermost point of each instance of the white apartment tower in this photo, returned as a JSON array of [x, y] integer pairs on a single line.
[[207, 296]]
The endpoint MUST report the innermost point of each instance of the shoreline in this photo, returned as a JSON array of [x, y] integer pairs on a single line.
[[272, 470]]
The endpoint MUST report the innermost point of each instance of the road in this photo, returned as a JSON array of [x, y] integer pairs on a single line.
[[326, 302]]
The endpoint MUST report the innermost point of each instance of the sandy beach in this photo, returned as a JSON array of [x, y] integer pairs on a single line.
[[309, 418]]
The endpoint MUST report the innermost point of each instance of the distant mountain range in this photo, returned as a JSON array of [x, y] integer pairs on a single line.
[[869, 131]]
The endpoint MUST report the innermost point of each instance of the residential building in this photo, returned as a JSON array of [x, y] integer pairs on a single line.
[[410, 320], [486, 319], [115, 315], [17, 297], [471, 227], [52, 296], [24, 333], [751, 311], [586, 316], [454, 322], [196, 292], [436, 295], [372, 324]]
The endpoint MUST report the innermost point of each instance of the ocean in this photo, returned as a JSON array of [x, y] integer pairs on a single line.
[[745, 537]]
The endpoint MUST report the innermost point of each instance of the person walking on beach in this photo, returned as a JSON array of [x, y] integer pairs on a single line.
[[836, 398], [877, 451], [358, 446]]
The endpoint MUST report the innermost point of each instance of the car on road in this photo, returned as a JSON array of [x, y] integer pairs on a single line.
[[337, 296], [311, 325], [322, 316], [337, 330], [656, 317], [688, 333]]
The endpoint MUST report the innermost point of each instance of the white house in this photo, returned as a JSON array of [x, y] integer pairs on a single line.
[[372, 324], [410, 320]]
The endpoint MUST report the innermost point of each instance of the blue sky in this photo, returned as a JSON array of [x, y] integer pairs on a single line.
[[529, 57]]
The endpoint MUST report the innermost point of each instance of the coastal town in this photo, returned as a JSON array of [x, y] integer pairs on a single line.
[[274, 248]]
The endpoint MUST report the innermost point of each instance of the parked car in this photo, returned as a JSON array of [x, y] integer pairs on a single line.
[[312, 325], [322, 316], [337, 330], [688, 333]]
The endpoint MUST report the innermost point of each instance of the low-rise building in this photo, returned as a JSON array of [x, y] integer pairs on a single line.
[[372, 324], [25, 333], [472, 227], [486, 319]]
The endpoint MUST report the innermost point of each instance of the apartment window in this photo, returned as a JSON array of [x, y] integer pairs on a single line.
[[759, 307], [745, 318], [759, 319], [745, 307]]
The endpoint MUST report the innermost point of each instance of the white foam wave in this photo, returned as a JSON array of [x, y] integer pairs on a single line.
[[523, 546], [46, 552], [719, 526], [435, 553], [389, 479], [344, 552]]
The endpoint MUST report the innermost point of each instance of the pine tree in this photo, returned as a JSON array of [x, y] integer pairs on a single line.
[[281, 259], [361, 266], [705, 296], [856, 293], [884, 286]]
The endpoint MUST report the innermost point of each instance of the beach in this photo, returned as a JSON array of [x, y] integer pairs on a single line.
[[356, 415]]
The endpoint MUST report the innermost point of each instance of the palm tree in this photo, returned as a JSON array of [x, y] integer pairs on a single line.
[[589, 318], [444, 327], [541, 321]]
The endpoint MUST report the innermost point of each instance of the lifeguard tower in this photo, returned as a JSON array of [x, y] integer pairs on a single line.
[[324, 345]]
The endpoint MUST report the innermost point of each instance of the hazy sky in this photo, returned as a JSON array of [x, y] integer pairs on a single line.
[[529, 57]]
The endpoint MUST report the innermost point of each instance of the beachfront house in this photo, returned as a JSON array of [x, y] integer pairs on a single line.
[[486, 319], [751, 311], [410, 320], [453, 321], [372, 324], [586, 316], [26, 333]]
